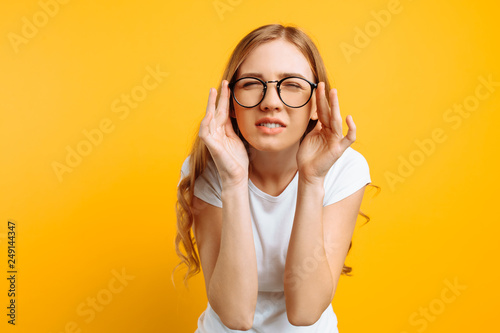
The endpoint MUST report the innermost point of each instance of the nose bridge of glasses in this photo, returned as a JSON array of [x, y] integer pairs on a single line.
[[273, 81], [266, 93]]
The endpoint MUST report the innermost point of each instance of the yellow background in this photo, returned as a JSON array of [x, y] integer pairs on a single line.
[[115, 211]]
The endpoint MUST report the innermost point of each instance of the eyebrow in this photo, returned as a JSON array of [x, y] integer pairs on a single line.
[[280, 75]]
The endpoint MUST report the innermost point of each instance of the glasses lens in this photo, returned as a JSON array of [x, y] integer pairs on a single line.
[[295, 92], [248, 91]]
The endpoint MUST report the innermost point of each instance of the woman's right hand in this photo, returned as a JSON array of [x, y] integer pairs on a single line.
[[226, 148]]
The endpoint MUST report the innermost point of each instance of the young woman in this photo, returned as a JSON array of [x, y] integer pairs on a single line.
[[271, 190]]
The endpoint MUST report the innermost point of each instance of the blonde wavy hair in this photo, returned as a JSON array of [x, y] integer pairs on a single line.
[[200, 155]]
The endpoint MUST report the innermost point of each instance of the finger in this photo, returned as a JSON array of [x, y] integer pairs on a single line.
[[211, 125], [212, 95], [226, 97], [351, 133], [221, 112], [206, 126], [336, 117], [208, 114], [322, 105]]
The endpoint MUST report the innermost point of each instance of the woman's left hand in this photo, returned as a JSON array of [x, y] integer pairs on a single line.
[[324, 144]]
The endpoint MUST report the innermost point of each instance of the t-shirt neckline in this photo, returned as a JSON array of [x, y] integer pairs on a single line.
[[269, 197]]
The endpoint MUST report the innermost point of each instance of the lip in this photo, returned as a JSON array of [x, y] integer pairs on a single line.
[[270, 120], [267, 130]]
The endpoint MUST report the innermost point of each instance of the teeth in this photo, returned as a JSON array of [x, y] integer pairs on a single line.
[[271, 125]]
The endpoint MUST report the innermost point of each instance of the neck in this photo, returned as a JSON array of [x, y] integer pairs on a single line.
[[273, 167]]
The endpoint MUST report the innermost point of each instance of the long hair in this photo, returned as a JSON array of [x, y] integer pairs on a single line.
[[200, 155]]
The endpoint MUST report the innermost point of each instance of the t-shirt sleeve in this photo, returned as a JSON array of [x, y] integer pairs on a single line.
[[207, 186], [184, 169], [347, 175]]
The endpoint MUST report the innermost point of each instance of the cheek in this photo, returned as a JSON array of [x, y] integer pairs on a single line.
[[302, 120], [243, 119]]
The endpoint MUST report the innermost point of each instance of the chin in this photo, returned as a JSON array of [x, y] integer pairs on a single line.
[[262, 147], [268, 144], [268, 147]]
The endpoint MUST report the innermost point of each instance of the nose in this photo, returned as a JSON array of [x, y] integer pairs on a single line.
[[271, 100]]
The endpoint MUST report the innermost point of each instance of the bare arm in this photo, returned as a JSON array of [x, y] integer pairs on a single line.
[[229, 261], [319, 233], [224, 235], [317, 250]]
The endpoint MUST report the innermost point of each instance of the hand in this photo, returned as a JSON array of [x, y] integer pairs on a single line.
[[226, 148], [324, 144]]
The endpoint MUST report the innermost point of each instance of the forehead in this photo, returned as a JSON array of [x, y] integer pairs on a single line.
[[274, 59]]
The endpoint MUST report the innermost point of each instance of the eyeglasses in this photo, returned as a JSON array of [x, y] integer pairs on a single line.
[[294, 91]]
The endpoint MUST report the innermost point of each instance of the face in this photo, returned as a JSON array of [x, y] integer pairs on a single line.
[[273, 61]]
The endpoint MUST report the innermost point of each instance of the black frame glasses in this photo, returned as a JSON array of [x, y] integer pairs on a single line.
[[264, 84]]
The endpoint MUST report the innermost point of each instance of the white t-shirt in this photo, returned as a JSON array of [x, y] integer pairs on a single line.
[[272, 221]]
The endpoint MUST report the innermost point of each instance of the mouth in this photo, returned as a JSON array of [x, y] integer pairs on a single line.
[[270, 123]]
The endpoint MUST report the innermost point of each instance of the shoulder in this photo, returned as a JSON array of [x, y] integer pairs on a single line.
[[185, 167], [210, 171], [351, 158], [347, 175], [207, 186]]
